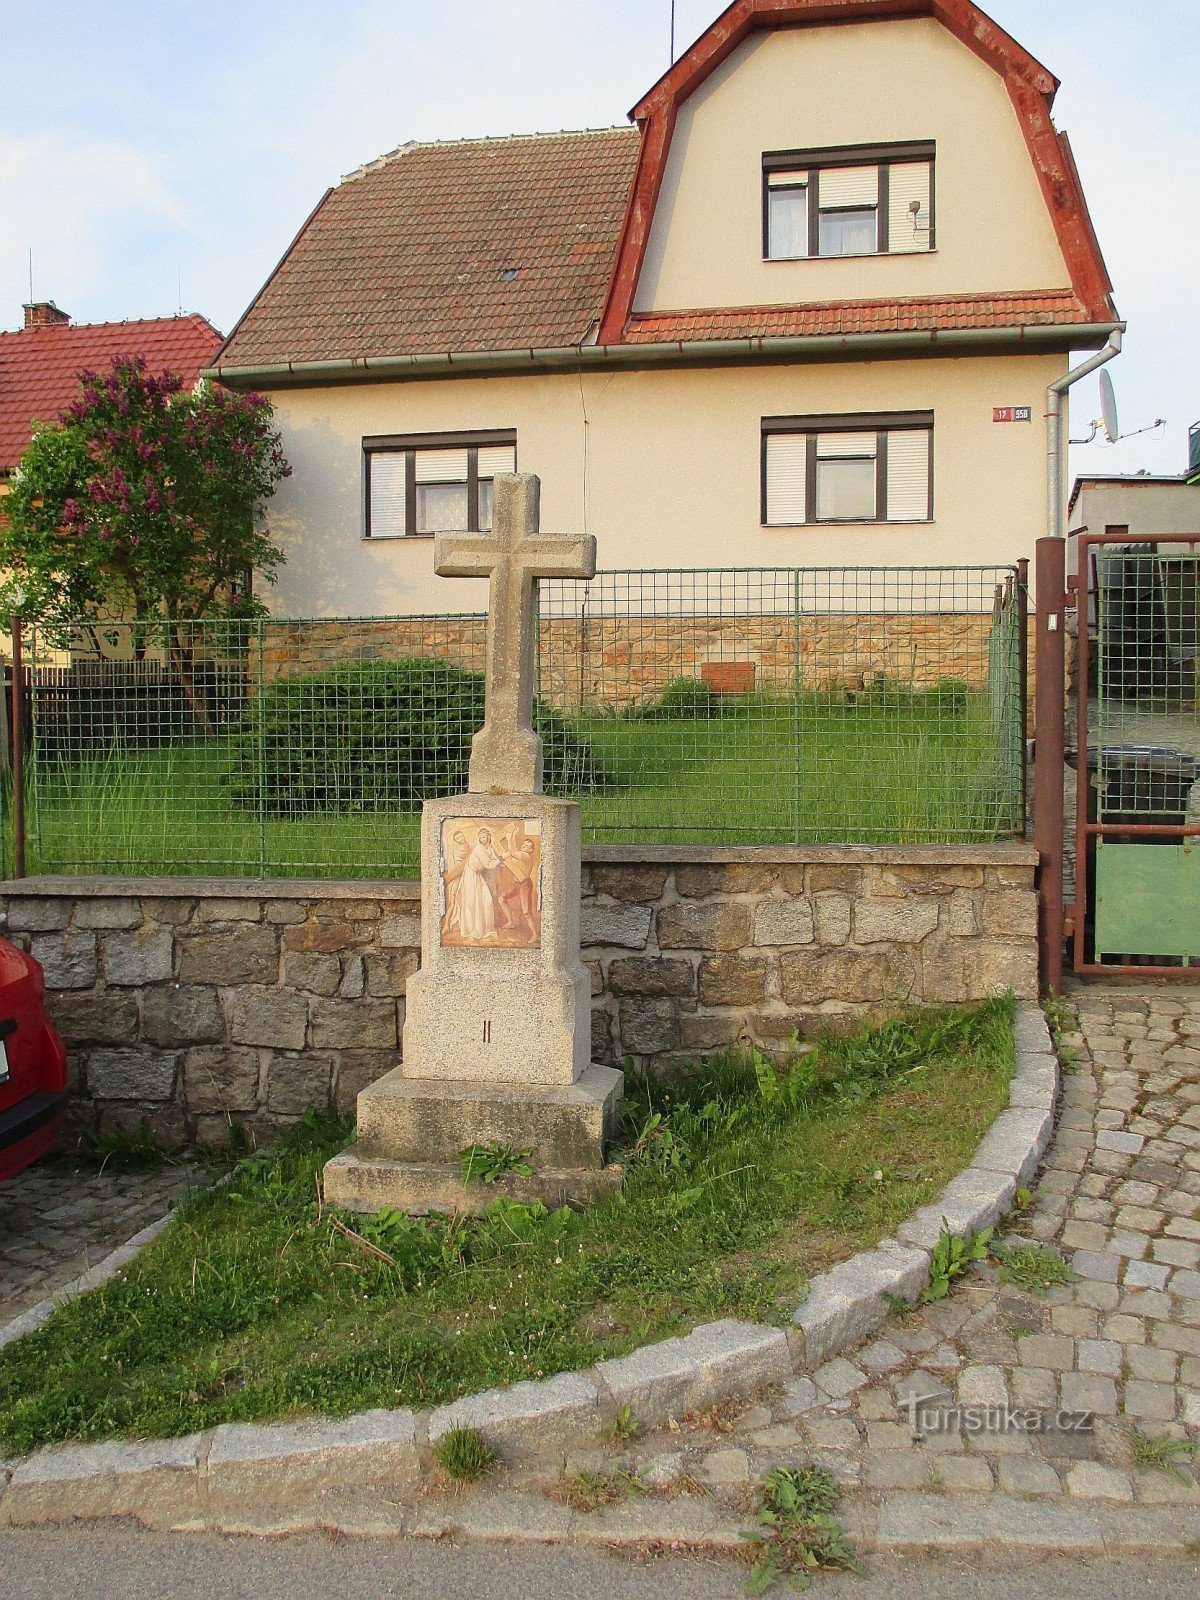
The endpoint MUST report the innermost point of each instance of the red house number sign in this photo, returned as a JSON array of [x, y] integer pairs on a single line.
[[1012, 414]]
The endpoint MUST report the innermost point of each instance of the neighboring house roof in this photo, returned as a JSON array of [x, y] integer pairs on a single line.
[[473, 245], [1127, 480], [964, 311], [1031, 87], [40, 366], [530, 246]]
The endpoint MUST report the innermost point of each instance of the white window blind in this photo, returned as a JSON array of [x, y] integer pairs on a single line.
[[388, 502], [497, 458], [786, 180], [441, 466], [787, 455], [908, 476], [849, 186], [909, 232], [846, 444]]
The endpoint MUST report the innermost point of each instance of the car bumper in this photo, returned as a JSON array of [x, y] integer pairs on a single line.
[[29, 1129]]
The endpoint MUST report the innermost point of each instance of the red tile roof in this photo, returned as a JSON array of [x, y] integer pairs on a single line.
[[40, 367], [470, 246], [1049, 308]]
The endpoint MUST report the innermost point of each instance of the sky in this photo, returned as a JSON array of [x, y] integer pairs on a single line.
[[158, 154]]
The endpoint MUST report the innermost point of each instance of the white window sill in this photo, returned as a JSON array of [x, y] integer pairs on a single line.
[[863, 255]]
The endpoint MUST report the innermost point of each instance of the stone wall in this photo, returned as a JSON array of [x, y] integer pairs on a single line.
[[200, 1003], [630, 659]]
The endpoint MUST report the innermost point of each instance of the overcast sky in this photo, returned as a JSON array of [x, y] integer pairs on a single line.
[[163, 152]]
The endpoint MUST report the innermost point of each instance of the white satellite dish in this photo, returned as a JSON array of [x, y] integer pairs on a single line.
[[1108, 409]]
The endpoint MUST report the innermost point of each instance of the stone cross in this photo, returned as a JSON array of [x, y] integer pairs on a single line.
[[506, 754]]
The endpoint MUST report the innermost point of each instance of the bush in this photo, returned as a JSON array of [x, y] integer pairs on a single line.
[[682, 697], [370, 735]]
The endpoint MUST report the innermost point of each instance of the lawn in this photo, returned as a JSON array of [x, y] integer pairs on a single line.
[[742, 1181], [894, 768]]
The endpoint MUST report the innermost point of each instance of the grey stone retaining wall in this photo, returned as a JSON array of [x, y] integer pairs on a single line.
[[199, 1002]]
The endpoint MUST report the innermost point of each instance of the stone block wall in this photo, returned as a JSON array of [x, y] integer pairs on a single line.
[[195, 1003], [751, 947], [198, 1003]]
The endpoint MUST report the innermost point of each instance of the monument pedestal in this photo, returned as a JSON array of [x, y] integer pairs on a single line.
[[497, 1024], [498, 1021]]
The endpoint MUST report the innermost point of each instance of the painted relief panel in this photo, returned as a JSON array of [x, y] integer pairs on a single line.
[[491, 875]]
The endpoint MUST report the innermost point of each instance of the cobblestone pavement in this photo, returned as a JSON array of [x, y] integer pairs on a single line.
[[1119, 1199], [56, 1221]]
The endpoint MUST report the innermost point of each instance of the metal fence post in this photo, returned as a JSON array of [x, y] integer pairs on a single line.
[[1023, 684], [18, 750], [1049, 752], [261, 757]]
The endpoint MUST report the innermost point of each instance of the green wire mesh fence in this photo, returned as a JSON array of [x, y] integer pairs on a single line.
[[707, 706]]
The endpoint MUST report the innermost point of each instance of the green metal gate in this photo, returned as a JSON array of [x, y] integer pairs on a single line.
[[1138, 808]]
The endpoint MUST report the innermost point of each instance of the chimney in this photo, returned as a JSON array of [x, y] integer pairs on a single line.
[[45, 314]]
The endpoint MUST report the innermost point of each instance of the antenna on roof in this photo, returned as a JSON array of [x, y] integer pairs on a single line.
[[672, 32], [179, 290], [30, 274]]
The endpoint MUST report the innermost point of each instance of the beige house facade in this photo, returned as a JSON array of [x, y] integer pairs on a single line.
[[803, 312]]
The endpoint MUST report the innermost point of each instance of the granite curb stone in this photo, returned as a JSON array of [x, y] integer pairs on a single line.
[[714, 1362]]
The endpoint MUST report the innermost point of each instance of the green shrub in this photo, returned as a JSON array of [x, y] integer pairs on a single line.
[[370, 735], [682, 697]]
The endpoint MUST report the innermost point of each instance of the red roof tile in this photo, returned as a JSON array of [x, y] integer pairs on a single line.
[[1049, 308], [470, 246], [40, 367]]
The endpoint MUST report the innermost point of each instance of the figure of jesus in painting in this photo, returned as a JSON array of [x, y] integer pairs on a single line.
[[475, 905]]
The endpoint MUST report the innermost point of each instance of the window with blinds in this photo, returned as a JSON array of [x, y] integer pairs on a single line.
[[867, 200], [431, 483], [876, 468]]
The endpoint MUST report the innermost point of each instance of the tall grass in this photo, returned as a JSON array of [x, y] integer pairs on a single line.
[[905, 768]]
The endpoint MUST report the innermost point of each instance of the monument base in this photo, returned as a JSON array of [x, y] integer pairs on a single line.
[[432, 1119], [411, 1132], [367, 1184]]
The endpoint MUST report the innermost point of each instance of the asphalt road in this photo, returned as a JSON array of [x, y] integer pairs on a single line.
[[114, 1563]]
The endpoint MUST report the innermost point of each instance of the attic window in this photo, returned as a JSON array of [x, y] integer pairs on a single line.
[[864, 200], [431, 483], [509, 274]]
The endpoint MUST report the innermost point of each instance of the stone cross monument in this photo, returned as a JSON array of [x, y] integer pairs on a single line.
[[497, 1033]]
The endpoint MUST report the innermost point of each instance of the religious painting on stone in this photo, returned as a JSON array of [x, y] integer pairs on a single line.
[[491, 873]]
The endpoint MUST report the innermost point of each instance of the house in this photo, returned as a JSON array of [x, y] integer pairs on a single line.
[[802, 311], [41, 362], [1144, 502]]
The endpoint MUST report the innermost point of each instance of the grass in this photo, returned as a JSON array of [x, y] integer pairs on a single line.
[[1032, 1267], [796, 1532], [743, 1181], [1162, 1455], [464, 1455], [879, 766]]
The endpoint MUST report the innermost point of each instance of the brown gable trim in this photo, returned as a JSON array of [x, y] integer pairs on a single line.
[[1031, 87]]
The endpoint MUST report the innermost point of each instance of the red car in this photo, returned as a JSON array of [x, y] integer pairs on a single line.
[[33, 1065]]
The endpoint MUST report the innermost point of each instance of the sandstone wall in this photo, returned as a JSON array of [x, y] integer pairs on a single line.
[[200, 1003], [621, 660]]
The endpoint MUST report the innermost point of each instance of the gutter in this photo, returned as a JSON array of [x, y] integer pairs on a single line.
[[1037, 337], [1056, 432]]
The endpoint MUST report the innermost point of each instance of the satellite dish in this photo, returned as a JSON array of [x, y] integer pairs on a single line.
[[1108, 408]]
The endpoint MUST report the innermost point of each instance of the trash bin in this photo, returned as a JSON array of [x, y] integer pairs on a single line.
[[1146, 786]]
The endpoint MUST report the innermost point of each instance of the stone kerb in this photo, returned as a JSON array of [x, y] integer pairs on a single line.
[[193, 1480]]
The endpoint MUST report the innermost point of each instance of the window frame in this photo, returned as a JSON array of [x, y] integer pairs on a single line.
[[408, 444], [813, 162], [881, 424]]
